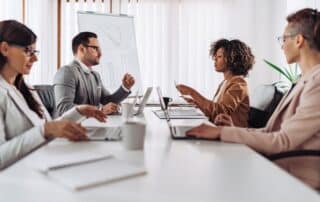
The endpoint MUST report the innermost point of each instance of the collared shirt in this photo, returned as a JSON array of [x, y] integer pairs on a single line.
[[88, 70]]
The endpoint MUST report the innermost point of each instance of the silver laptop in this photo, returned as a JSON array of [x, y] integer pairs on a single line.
[[144, 101], [142, 104], [176, 131]]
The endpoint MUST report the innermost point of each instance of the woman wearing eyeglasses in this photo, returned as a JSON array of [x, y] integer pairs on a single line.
[[295, 123], [24, 122], [233, 59]]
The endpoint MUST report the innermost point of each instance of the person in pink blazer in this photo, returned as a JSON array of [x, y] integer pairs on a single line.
[[295, 123]]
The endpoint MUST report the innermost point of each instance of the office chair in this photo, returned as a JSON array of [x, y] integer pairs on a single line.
[[46, 94], [263, 102], [293, 153]]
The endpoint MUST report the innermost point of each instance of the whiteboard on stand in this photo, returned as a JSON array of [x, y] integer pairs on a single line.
[[116, 35]]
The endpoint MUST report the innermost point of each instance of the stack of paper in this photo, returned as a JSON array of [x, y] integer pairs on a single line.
[[95, 173], [56, 160]]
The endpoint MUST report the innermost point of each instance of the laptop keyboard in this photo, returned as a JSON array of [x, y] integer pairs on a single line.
[[183, 112], [112, 133]]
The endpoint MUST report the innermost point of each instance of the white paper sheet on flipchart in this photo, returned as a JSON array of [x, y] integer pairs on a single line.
[[96, 173], [59, 155]]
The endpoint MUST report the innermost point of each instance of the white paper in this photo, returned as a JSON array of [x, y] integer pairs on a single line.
[[95, 173]]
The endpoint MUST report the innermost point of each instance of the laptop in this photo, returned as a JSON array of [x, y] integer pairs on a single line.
[[178, 112], [143, 102], [179, 129]]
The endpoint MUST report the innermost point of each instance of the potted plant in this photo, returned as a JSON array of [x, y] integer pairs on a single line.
[[290, 73]]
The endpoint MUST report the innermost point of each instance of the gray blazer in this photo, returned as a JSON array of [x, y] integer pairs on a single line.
[[74, 86], [21, 130]]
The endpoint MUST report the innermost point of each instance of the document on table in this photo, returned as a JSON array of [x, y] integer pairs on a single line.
[[95, 173], [56, 160]]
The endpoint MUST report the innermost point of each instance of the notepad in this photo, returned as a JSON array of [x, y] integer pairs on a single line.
[[95, 173], [53, 161]]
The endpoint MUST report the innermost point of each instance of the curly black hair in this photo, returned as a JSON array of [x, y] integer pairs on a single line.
[[238, 56]]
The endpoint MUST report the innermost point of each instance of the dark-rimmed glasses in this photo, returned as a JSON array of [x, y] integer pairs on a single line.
[[282, 39], [27, 50], [96, 48]]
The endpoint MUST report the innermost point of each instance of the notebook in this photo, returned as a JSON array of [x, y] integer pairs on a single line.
[[66, 156], [95, 173]]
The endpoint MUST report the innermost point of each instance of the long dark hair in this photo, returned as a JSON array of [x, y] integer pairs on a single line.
[[16, 33]]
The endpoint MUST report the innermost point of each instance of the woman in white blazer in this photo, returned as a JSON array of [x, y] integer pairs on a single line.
[[25, 124]]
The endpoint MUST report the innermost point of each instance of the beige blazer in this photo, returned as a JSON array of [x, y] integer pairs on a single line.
[[233, 99], [295, 124]]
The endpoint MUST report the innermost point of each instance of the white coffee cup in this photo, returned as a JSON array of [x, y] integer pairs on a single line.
[[127, 110], [133, 133]]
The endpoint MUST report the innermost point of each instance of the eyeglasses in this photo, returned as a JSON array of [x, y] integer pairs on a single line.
[[96, 48], [27, 50], [282, 39]]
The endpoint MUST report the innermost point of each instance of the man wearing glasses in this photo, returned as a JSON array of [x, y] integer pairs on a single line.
[[77, 83]]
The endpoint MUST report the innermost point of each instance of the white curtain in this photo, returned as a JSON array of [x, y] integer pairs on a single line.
[[173, 36], [41, 17], [11, 9], [69, 27]]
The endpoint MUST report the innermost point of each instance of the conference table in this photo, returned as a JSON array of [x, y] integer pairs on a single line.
[[177, 170]]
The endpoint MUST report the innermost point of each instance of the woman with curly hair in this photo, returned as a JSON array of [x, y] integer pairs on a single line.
[[234, 59], [294, 124]]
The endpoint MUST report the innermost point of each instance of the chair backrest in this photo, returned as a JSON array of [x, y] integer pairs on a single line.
[[46, 94], [263, 102]]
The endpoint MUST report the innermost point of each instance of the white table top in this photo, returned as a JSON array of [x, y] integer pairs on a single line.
[[177, 170]]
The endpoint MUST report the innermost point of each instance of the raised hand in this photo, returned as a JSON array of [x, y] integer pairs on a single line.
[[184, 89], [128, 81]]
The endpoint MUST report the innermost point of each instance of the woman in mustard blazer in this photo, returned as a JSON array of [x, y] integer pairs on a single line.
[[234, 59]]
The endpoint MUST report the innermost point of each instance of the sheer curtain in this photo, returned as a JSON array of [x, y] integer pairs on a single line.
[[41, 17], [174, 38], [69, 26], [11, 9]]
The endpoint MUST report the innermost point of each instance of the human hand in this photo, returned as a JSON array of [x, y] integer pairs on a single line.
[[204, 131], [184, 89], [223, 120], [189, 99], [91, 111], [128, 81], [110, 108], [65, 129]]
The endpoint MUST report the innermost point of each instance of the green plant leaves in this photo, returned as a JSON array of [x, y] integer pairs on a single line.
[[291, 75]]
